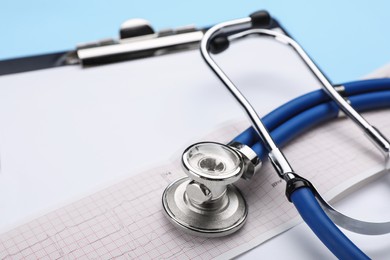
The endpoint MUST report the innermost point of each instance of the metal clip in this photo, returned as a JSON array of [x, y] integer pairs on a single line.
[[137, 40]]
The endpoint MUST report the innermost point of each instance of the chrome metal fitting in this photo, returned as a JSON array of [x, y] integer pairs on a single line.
[[251, 160], [206, 203]]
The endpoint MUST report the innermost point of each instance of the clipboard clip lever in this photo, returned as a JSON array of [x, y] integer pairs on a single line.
[[137, 40]]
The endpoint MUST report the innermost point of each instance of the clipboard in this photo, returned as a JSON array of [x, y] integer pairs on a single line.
[[99, 122], [137, 39]]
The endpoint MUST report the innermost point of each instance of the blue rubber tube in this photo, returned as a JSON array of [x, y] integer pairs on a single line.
[[319, 114], [304, 102], [303, 198], [371, 101], [298, 125], [364, 86], [323, 227], [282, 114]]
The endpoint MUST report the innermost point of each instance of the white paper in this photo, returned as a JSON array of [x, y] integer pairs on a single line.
[[66, 133]]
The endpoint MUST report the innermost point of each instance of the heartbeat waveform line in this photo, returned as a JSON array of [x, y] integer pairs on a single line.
[[58, 233]]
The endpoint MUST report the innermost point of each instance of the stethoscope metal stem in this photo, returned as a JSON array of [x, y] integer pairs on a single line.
[[374, 135], [276, 156], [232, 26]]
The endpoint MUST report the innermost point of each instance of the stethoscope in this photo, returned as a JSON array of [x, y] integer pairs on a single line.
[[206, 203]]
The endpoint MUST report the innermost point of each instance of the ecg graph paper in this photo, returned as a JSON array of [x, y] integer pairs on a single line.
[[126, 221]]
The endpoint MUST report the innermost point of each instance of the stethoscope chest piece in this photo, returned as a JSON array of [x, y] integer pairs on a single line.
[[206, 203]]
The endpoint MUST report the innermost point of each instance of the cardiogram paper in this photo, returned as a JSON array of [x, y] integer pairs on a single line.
[[126, 221]]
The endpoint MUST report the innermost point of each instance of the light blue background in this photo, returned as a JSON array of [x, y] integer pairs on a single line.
[[346, 38]]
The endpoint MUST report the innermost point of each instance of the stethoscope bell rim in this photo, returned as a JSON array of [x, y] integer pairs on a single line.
[[206, 203], [221, 163], [206, 222]]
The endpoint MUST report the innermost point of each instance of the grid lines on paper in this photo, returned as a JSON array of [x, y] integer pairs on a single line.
[[125, 221]]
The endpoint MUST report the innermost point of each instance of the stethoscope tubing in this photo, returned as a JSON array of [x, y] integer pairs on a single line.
[[298, 116], [307, 101], [330, 235], [319, 114]]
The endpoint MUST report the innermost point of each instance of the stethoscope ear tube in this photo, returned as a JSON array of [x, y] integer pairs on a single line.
[[232, 28]]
